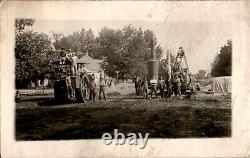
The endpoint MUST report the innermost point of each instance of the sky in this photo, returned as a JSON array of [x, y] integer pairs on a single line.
[[200, 27], [201, 41]]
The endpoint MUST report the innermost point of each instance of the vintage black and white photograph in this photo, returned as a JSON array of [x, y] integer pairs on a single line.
[[80, 79], [125, 79]]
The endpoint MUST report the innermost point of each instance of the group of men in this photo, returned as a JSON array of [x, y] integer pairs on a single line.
[[93, 88], [91, 85], [69, 58], [163, 87]]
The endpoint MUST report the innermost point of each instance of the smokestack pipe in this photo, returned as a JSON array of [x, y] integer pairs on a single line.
[[153, 55]]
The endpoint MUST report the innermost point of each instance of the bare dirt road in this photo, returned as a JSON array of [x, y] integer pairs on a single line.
[[203, 115]]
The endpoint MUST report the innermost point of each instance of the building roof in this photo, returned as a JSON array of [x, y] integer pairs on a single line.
[[86, 59], [90, 63]]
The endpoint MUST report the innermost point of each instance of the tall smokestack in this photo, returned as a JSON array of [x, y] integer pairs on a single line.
[[153, 55]]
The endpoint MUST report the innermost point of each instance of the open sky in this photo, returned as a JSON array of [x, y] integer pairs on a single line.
[[200, 28]]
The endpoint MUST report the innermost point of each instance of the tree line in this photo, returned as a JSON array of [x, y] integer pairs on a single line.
[[222, 64], [125, 50]]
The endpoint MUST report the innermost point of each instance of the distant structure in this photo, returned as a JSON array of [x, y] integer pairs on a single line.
[[90, 65]]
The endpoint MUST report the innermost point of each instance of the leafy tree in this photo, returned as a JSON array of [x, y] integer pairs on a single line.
[[20, 24], [31, 54], [31, 50], [222, 64], [201, 74], [125, 50], [80, 42], [112, 46]]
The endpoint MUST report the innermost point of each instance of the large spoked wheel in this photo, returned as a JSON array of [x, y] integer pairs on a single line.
[[82, 93]]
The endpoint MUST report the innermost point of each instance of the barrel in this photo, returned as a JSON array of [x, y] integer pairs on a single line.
[[153, 69]]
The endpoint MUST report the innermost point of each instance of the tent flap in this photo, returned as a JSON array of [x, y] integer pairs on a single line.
[[222, 84]]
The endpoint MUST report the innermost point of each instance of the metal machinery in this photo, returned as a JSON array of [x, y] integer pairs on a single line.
[[180, 69], [79, 82], [153, 63]]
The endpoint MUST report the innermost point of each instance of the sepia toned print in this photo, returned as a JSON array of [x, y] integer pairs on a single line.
[[124, 79], [82, 81]]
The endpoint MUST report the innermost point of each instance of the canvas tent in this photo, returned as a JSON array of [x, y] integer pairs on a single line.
[[222, 84]]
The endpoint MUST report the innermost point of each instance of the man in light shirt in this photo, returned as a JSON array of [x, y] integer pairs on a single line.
[[153, 84]]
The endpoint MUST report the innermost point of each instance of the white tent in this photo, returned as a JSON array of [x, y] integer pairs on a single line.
[[222, 84]]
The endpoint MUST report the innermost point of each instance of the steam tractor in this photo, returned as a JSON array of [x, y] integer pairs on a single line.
[[77, 86]]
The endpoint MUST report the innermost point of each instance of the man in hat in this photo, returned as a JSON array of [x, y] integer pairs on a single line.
[[69, 54], [180, 51], [161, 87], [178, 85], [92, 87], [137, 85], [145, 88], [102, 88], [73, 62], [62, 56], [69, 85], [168, 86]]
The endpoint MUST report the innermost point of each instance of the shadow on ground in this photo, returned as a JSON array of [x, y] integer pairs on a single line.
[[194, 118]]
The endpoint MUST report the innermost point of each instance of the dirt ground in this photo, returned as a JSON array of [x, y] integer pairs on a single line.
[[203, 115]]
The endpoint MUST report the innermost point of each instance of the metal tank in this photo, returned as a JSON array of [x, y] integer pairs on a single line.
[[153, 63]]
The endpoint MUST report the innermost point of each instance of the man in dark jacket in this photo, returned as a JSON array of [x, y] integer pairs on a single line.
[[161, 87], [137, 85], [92, 87], [145, 88]]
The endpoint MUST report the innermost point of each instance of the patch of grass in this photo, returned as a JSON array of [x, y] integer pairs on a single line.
[[176, 119]]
